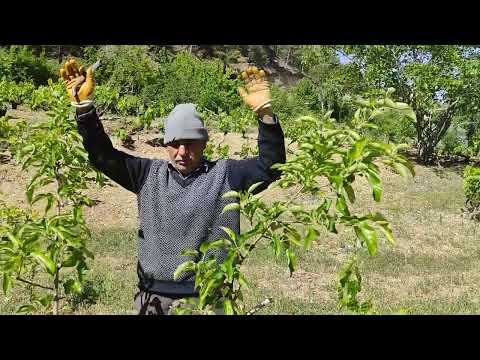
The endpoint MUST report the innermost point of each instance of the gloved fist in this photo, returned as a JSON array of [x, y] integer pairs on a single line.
[[79, 83], [256, 93]]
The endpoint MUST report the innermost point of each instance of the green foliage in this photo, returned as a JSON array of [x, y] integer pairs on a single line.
[[43, 248], [10, 134], [15, 94], [337, 153], [238, 120], [121, 134], [19, 64], [3, 108], [187, 79], [248, 151], [208, 152], [438, 81], [223, 151], [454, 142], [213, 152], [45, 96], [106, 98], [129, 105], [349, 284], [288, 106], [388, 121], [471, 186], [127, 69]]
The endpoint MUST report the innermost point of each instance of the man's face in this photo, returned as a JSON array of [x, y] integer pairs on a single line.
[[186, 154]]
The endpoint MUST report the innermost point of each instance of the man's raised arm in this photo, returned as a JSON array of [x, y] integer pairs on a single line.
[[127, 170]]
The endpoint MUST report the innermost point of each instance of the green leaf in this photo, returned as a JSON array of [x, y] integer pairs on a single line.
[[276, 244], [88, 253], [15, 241], [228, 308], [306, 146], [229, 232], [77, 212], [293, 236], [190, 252], [29, 194], [24, 309], [357, 149], [292, 260], [71, 261], [332, 225], [72, 287], [384, 227], [341, 205], [231, 194], [46, 300], [312, 233], [215, 244], [45, 261], [368, 235], [27, 149], [387, 231], [254, 186], [185, 267], [7, 283], [205, 291], [375, 184], [242, 281], [228, 263], [401, 169], [232, 206], [49, 203]]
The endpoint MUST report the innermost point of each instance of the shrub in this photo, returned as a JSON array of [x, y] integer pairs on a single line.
[[471, 186], [454, 142], [288, 104], [106, 98], [44, 96], [15, 94], [187, 79], [130, 105], [124, 68], [19, 64]]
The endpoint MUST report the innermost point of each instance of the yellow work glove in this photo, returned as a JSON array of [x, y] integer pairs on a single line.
[[79, 83], [256, 93]]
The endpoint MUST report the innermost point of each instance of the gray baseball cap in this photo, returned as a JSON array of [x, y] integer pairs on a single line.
[[184, 123]]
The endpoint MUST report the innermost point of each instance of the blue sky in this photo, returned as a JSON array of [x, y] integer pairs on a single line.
[[343, 58]]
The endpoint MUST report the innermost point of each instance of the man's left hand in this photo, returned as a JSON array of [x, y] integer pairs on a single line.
[[256, 93]]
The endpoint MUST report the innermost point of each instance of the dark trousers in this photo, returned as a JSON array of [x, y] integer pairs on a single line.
[[153, 304], [147, 303]]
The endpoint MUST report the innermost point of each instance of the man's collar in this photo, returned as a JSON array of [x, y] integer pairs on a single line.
[[204, 166]]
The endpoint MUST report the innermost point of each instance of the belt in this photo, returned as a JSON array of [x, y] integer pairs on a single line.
[[172, 289]]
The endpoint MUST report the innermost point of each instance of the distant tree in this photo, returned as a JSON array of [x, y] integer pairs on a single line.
[[438, 81]]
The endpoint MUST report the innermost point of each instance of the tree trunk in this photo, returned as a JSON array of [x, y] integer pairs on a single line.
[[426, 153], [430, 131], [56, 309], [60, 57]]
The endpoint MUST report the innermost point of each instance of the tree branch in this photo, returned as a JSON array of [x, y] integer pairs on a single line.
[[34, 284], [259, 306]]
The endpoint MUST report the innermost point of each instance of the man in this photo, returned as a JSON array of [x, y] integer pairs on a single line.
[[179, 201]]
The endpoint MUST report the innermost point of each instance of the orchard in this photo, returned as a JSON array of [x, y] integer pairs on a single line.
[[365, 142]]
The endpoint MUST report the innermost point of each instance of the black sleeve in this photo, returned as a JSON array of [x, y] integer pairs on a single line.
[[271, 150], [128, 171]]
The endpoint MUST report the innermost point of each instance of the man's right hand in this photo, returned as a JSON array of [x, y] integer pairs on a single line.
[[80, 84]]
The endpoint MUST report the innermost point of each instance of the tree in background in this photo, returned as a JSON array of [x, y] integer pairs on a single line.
[[439, 82]]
